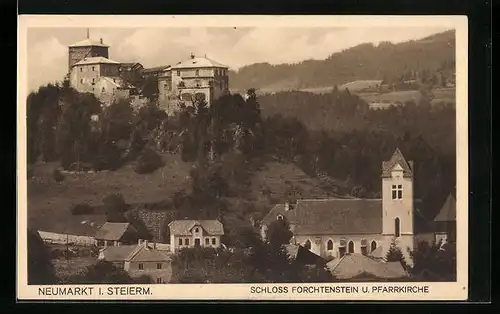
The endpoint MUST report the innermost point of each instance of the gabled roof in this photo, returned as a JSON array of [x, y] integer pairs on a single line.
[[117, 253], [95, 60], [156, 69], [184, 227], [353, 265], [113, 231], [135, 253], [88, 42], [79, 225], [199, 62], [397, 159], [332, 216], [449, 210]]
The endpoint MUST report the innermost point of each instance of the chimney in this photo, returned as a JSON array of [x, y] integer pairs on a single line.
[[101, 40]]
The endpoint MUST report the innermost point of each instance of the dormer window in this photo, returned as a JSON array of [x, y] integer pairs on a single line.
[[397, 192], [196, 230]]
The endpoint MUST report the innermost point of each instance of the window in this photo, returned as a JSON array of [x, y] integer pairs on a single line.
[[93, 80], [141, 266], [397, 192], [81, 81], [396, 228], [103, 89], [214, 241], [197, 242], [329, 245], [307, 245], [158, 266], [351, 247], [364, 249], [186, 242], [196, 230], [207, 241], [373, 246], [279, 217], [81, 69], [93, 68], [198, 84], [178, 73], [180, 241], [197, 73], [159, 280]]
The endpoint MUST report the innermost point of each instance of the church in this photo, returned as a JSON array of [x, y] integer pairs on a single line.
[[331, 228]]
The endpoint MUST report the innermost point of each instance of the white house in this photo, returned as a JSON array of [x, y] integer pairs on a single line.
[[191, 233]]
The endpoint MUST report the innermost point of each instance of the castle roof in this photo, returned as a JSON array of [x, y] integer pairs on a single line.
[[199, 62], [183, 227], [88, 42], [331, 216], [95, 60], [397, 159]]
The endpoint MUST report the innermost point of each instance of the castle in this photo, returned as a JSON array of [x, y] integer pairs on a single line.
[[91, 71], [334, 227]]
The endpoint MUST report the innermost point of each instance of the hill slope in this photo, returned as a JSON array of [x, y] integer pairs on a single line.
[[363, 62]]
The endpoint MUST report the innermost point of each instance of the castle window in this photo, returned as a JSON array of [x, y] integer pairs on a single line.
[[397, 232], [103, 89], [81, 69], [329, 245], [197, 73], [81, 81], [397, 192], [93, 80], [307, 245], [93, 68], [178, 73]]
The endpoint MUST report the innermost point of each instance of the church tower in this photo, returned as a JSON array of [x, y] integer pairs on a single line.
[[397, 202]]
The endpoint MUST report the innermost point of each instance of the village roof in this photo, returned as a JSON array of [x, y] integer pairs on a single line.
[[112, 231], [377, 253], [183, 227], [353, 265], [88, 42], [449, 210], [80, 225], [145, 252], [199, 62], [397, 159], [95, 60], [332, 216]]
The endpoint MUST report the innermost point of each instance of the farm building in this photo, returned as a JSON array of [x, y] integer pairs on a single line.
[[79, 230]]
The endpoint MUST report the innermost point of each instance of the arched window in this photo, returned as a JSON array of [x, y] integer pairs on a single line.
[[364, 249], [307, 245], [329, 245], [396, 228], [351, 247], [279, 217], [373, 246]]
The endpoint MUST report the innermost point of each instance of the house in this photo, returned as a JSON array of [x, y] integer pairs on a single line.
[[445, 221], [115, 234], [362, 268], [142, 259], [155, 71], [75, 229], [191, 233], [334, 227]]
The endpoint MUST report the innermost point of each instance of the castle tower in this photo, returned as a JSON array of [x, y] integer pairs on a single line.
[[86, 48], [397, 202]]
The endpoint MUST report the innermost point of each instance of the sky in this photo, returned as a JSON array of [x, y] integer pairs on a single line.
[[232, 46]]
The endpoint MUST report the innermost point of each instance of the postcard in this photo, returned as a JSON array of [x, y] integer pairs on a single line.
[[239, 157]]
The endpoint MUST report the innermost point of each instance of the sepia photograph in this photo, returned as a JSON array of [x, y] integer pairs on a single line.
[[260, 154]]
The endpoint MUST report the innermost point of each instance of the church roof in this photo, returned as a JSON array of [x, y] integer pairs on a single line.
[[199, 62], [448, 212], [88, 42], [397, 159], [95, 60], [332, 216]]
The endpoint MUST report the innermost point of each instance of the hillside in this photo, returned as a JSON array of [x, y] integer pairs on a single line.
[[386, 61]]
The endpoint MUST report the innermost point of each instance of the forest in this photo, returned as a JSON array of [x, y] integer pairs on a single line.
[[386, 61]]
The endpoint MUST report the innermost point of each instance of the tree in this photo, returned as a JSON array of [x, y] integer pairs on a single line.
[[40, 268], [148, 162], [278, 232], [102, 272], [114, 207], [434, 261], [394, 254]]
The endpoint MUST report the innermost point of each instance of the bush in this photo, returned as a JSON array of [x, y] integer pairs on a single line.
[[148, 162], [58, 176], [82, 209]]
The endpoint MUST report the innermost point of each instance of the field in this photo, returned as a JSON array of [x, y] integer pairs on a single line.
[[65, 268], [51, 201], [400, 96]]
